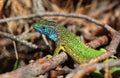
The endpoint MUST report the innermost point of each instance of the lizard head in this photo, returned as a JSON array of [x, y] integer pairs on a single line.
[[47, 28]]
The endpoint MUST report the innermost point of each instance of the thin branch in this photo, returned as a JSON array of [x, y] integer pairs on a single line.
[[61, 14], [29, 44], [26, 36], [114, 43], [17, 18], [80, 72], [98, 42], [36, 68], [18, 39]]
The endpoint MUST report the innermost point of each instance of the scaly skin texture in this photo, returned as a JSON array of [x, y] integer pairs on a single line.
[[67, 42]]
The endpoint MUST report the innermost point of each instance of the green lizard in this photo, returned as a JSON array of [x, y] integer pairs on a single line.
[[67, 41]]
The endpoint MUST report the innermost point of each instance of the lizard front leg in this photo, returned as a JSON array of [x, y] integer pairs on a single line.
[[58, 49]]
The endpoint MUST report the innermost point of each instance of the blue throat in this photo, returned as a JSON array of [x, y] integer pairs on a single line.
[[48, 31], [53, 37]]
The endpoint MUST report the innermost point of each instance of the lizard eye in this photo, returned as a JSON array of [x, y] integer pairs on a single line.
[[43, 27]]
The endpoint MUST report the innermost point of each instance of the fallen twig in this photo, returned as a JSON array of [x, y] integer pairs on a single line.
[[36, 68], [29, 44], [80, 72], [98, 42], [4, 42], [60, 14]]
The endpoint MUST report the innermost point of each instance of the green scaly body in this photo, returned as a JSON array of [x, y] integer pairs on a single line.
[[74, 47], [68, 42]]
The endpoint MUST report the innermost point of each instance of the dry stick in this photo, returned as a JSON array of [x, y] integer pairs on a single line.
[[29, 44], [98, 42], [18, 39], [13, 37], [36, 68], [61, 14], [5, 41], [80, 72]]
